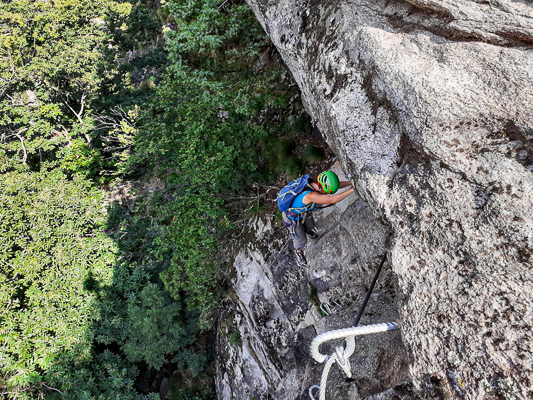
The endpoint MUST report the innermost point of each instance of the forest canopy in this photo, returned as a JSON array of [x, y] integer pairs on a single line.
[[98, 297]]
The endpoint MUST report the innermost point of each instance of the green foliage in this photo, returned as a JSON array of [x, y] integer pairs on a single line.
[[51, 240], [51, 70], [214, 38], [66, 289], [94, 300], [313, 154], [104, 376], [78, 313], [313, 295], [282, 148], [200, 136], [276, 152], [313, 298], [199, 390], [291, 166], [151, 316], [256, 210], [47, 247], [297, 123], [137, 311], [235, 338]]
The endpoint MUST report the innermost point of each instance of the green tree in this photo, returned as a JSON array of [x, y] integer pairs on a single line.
[[51, 238], [54, 57], [95, 296], [58, 268], [200, 134]]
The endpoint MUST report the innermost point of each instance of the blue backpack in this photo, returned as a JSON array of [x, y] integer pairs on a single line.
[[287, 195]]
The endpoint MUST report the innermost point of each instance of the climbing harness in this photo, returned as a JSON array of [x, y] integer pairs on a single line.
[[343, 352]]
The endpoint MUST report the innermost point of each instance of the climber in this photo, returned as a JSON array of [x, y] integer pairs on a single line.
[[300, 197]]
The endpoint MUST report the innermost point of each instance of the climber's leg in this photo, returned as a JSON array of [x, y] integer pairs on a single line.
[[299, 238], [299, 235], [310, 228]]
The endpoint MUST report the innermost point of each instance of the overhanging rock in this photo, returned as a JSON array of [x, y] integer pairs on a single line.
[[428, 104]]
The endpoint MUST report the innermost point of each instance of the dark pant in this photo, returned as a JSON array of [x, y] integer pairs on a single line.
[[299, 229]]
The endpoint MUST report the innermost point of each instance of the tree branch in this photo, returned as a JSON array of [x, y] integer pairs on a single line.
[[51, 388], [220, 6], [75, 113], [23, 146], [78, 115], [83, 96]]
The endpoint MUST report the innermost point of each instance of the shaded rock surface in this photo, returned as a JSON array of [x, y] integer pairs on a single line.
[[268, 324], [428, 104]]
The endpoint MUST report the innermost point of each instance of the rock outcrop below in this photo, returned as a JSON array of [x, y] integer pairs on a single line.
[[428, 104]]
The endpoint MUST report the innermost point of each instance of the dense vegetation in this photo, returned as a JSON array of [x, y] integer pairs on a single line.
[[96, 297]]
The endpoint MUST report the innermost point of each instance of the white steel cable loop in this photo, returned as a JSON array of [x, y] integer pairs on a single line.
[[346, 333], [350, 346], [343, 360], [341, 355]]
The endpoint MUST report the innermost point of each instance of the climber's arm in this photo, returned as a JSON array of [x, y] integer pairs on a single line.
[[318, 198], [344, 184]]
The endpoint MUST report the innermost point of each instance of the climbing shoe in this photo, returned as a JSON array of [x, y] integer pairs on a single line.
[[313, 234], [300, 258]]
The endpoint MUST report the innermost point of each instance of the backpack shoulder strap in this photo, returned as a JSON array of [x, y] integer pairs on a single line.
[[304, 208]]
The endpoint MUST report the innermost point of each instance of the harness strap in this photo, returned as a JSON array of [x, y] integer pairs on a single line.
[[302, 212], [302, 209]]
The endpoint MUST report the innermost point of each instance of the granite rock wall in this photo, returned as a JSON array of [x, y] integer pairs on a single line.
[[428, 104]]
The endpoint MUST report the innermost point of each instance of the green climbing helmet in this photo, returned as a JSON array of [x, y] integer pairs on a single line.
[[329, 181]]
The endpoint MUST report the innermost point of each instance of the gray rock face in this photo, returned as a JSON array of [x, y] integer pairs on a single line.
[[429, 104], [267, 326]]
